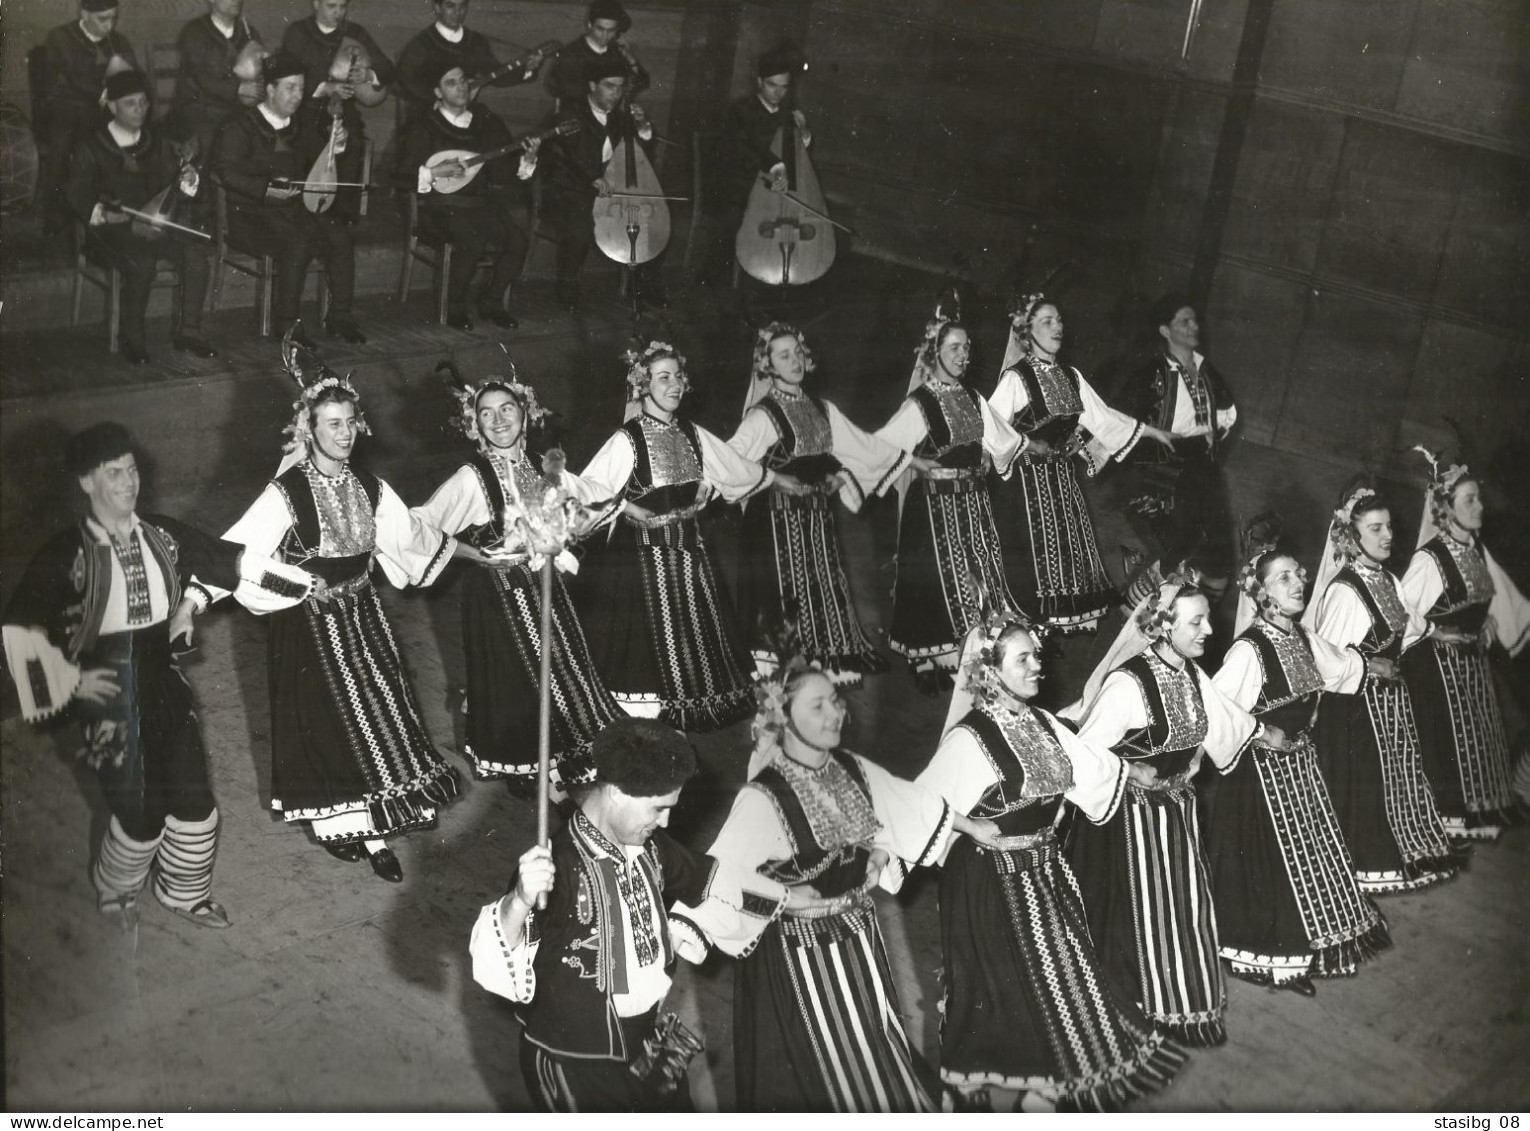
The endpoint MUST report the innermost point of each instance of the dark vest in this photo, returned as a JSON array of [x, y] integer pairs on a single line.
[[942, 443], [1176, 726], [1464, 603], [640, 487], [809, 458], [832, 871], [1005, 802], [301, 543], [1288, 696], [1051, 414], [1384, 637]]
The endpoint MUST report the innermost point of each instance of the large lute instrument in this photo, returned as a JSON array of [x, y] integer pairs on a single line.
[[472, 163], [632, 223], [787, 238]]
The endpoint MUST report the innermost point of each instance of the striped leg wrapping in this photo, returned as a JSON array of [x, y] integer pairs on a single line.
[[186, 852], [122, 864]]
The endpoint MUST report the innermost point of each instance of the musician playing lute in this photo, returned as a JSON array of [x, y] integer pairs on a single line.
[[482, 213], [128, 162]]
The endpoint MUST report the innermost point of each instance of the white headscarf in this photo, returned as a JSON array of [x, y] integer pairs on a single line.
[[1130, 641], [1440, 487], [1336, 553]]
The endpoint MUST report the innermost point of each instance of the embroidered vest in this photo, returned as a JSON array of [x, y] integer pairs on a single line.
[[805, 444], [828, 819], [1468, 586], [1032, 771], [667, 468], [954, 424], [1287, 697], [306, 535], [1177, 714], [1054, 401], [1378, 594]]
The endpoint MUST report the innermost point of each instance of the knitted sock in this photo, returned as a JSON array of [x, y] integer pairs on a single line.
[[186, 856], [122, 864]]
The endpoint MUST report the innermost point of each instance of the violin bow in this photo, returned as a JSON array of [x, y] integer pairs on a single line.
[[795, 199], [161, 222]]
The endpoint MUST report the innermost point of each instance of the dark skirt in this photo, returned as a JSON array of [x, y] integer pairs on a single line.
[[789, 556], [1147, 895], [662, 631], [1380, 796], [946, 537], [1461, 737], [1055, 571], [816, 1025], [346, 732], [501, 636], [1284, 884], [1027, 1006]]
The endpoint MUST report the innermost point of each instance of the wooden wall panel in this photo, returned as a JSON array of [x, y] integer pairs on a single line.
[[1346, 52], [1462, 373], [1391, 208], [1348, 380], [1064, 24], [1280, 196], [1173, 215], [1250, 329], [1465, 68], [1485, 266]]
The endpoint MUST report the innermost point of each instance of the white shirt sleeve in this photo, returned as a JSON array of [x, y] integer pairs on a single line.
[[1009, 395], [1001, 441], [409, 551], [1422, 583], [907, 429], [755, 435], [1241, 677], [457, 504], [1115, 434], [734, 477], [499, 967], [873, 463]]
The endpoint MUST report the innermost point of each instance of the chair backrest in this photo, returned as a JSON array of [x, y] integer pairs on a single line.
[[220, 217]]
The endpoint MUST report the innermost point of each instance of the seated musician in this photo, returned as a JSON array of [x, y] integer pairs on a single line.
[[262, 158], [207, 92], [575, 174], [605, 24], [479, 215], [317, 41], [746, 155], [449, 41], [126, 162], [76, 58]]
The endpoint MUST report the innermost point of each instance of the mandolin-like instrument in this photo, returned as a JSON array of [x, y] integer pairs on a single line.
[[472, 163], [247, 70]]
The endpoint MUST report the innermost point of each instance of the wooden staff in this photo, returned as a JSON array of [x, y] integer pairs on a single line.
[[544, 717]]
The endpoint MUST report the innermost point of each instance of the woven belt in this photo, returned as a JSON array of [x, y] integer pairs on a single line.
[[665, 519], [1027, 840], [339, 589], [951, 473], [1163, 785], [839, 905]]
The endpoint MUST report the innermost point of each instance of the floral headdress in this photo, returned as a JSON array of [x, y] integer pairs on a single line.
[[761, 373], [466, 394], [1344, 545], [772, 691], [977, 676], [947, 313], [1156, 613], [639, 360], [1261, 537], [1439, 493], [313, 379]]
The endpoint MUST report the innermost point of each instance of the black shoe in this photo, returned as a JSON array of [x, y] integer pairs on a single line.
[[133, 354], [192, 344], [386, 865], [300, 337], [345, 330], [349, 851], [1302, 986], [501, 318]]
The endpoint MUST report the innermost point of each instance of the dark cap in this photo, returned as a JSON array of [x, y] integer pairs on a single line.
[[611, 65], [98, 5], [282, 65], [610, 10], [124, 83], [100, 443], [642, 757], [783, 59], [438, 69]]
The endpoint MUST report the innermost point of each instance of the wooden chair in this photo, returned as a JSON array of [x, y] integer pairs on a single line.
[[109, 281], [259, 266], [436, 256]]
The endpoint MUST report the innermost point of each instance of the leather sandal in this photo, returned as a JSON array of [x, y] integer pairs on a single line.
[[204, 913], [122, 910]]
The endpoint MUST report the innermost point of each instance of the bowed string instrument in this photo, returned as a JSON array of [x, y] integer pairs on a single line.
[[787, 237]]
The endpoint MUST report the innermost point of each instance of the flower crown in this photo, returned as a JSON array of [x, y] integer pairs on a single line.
[[982, 668], [947, 313], [1021, 309], [638, 361], [1260, 538], [1158, 613], [771, 700], [761, 369], [1441, 490], [1341, 531], [467, 393], [314, 379]]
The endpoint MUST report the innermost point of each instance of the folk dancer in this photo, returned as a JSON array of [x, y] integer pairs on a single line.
[[1368, 741], [478, 215], [263, 156], [1181, 493], [208, 92], [1470, 602], [128, 162], [791, 562], [816, 1021], [657, 617], [78, 58], [1143, 873], [948, 547], [1288, 907], [318, 41], [575, 173], [1055, 569], [1030, 1021], [450, 42], [606, 21], [96, 623], [483, 506], [588, 973], [349, 752]]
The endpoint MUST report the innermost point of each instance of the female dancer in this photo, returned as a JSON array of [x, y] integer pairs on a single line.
[[1367, 741], [1143, 873], [948, 548], [790, 553], [1030, 1021], [1469, 601], [502, 598], [349, 752], [816, 1025], [1288, 906], [657, 620], [1054, 562]]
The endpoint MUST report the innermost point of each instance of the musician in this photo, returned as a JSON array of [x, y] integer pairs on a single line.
[[317, 41], [262, 156], [576, 167], [750, 128], [605, 24], [448, 40], [76, 57], [479, 215], [207, 92], [126, 162]]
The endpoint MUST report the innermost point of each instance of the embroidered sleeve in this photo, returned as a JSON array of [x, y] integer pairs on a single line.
[[1116, 712], [1114, 434], [1422, 583], [1342, 669], [740, 903], [1240, 678], [735, 477], [916, 821], [872, 462], [1229, 728], [1508, 612], [960, 771], [457, 504], [1001, 441], [499, 967], [907, 428]]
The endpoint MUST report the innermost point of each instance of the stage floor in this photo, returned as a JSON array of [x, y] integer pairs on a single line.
[[335, 991]]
